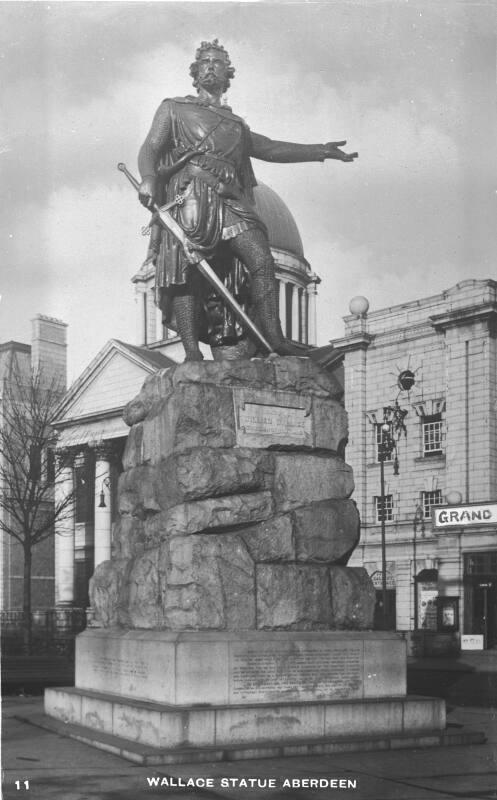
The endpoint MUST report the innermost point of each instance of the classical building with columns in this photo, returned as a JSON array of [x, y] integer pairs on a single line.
[[91, 432], [437, 358], [45, 354]]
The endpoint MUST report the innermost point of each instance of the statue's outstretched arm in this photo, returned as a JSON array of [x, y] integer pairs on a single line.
[[154, 146], [290, 152]]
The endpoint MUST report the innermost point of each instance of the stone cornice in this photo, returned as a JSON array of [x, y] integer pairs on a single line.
[[144, 274], [93, 417], [404, 334], [356, 341], [466, 316], [429, 407]]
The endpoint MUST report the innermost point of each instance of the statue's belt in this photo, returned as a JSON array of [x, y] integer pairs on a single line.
[[227, 191], [222, 188], [193, 169]]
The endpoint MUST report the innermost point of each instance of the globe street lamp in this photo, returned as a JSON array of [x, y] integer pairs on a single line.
[[390, 431]]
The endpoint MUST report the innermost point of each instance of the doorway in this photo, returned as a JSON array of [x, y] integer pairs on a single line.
[[391, 611], [480, 612], [484, 612]]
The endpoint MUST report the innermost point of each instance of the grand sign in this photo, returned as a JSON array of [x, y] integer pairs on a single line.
[[465, 516]]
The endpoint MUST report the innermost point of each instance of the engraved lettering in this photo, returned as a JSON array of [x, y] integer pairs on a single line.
[[313, 671], [112, 666]]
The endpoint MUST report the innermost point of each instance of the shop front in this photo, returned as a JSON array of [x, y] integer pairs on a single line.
[[477, 525]]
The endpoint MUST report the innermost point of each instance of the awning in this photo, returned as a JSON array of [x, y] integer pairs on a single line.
[[427, 576]]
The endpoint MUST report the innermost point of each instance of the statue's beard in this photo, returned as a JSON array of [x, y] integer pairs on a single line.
[[211, 83]]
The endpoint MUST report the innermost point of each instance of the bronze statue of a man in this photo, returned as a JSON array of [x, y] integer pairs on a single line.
[[200, 150]]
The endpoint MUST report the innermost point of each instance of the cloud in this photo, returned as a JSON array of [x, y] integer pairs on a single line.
[[408, 85], [91, 247]]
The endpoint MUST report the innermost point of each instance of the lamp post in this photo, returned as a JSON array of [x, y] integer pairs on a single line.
[[418, 520], [392, 427]]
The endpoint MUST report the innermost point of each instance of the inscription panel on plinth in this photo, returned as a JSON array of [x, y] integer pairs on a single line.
[[267, 418], [307, 671], [139, 669]]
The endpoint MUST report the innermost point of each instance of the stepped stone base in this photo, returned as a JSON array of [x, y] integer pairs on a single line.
[[153, 756], [252, 729], [206, 696]]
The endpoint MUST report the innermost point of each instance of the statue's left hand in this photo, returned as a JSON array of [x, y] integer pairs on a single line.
[[332, 150]]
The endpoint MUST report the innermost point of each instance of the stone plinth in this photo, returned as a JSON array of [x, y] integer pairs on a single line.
[[236, 669]]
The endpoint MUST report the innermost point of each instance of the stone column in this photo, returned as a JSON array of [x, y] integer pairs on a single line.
[[64, 530], [312, 321], [140, 317], [159, 332], [295, 313], [151, 314], [282, 303], [103, 513], [303, 307]]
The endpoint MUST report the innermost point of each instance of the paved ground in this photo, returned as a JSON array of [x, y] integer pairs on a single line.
[[63, 769], [468, 679]]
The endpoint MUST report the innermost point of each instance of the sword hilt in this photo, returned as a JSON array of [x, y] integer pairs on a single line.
[[122, 168]]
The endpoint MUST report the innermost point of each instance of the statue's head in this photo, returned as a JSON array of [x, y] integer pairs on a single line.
[[212, 67]]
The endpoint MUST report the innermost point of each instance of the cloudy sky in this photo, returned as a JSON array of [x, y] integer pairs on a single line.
[[410, 85]]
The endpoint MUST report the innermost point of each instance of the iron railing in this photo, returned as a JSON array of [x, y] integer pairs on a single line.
[[53, 631]]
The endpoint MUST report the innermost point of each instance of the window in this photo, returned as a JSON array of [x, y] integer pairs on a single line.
[[481, 563], [386, 508], [432, 435], [378, 434], [48, 466], [35, 458], [430, 499]]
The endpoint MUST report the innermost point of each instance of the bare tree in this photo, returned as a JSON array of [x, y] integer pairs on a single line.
[[29, 504]]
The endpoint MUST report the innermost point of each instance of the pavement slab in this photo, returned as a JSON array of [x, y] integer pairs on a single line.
[[59, 768]]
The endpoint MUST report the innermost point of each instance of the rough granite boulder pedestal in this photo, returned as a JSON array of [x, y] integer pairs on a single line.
[[234, 505]]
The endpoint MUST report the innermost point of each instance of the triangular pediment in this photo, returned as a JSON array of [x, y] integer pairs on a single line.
[[112, 379]]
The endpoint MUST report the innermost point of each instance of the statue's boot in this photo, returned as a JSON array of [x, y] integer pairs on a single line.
[[187, 311], [264, 297], [252, 248]]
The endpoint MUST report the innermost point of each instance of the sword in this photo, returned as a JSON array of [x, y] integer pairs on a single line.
[[202, 265]]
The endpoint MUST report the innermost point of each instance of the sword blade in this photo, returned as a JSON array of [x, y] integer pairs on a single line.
[[206, 270]]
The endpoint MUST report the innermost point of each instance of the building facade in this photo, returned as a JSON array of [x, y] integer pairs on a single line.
[[446, 347], [45, 354]]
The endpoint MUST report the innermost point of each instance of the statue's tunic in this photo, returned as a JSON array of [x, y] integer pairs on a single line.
[[223, 139], [225, 145]]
